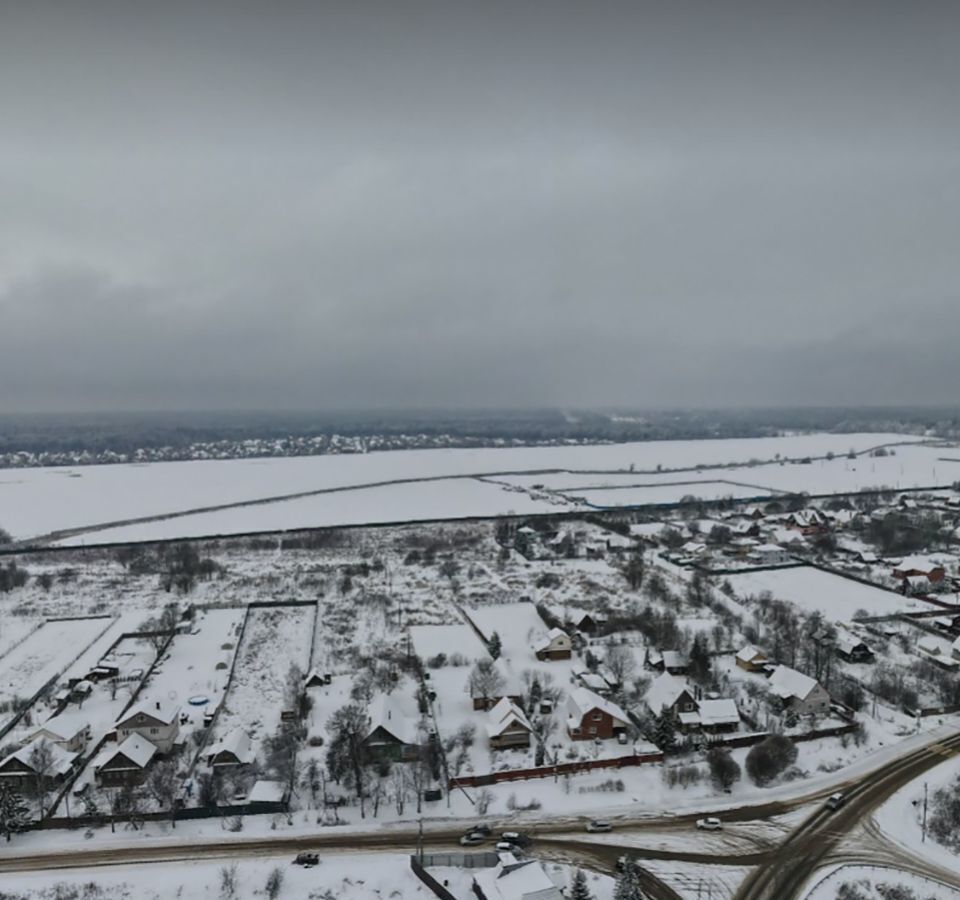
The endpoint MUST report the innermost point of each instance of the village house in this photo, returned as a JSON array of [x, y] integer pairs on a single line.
[[591, 716], [715, 716], [155, 720], [126, 763], [394, 731], [234, 749], [508, 726], [771, 555], [593, 681], [69, 731], [917, 567], [21, 768], [800, 694], [512, 879], [751, 659], [671, 661], [671, 695], [809, 522], [556, 645], [851, 648]]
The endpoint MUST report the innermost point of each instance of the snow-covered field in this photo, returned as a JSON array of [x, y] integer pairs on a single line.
[[39, 501], [873, 881], [839, 599], [45, 653]]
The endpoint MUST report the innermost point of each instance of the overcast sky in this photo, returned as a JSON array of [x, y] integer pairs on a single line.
[[325, 205]]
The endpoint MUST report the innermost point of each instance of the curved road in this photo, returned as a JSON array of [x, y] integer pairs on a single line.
[[781, 871]]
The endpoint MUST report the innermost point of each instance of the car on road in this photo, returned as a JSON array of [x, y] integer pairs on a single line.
[[469, 840], [514, 837], [480, 829], [307, 860], [506, 847], [835, 801], [710, 824], [599, 826]]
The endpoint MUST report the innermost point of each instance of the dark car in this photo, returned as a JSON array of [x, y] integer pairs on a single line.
[[307, 860], [480, 829], [514, 837]]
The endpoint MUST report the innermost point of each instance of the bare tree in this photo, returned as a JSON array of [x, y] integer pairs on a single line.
[[274, 883], [163, 784], [41, 761], [401, 788], [621, 663], [485, 681], [347, 754]]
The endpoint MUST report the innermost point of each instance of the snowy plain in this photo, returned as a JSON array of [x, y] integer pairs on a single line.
[[43, 500]]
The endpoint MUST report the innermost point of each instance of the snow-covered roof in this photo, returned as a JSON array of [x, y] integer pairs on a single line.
[[581, 701], [847, 642], [786, 683], [393, 715], [61, 760], [918, 564], [750, 653], [955, 647], [62, 728], [593, 681], [237, 743], [673, 659], [554, 636], [719, 712], [160, 710], [664, 690], [136, 748], [513, 880], [769, 548], [505, 714]]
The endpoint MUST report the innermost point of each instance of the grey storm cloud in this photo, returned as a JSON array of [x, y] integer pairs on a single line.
[[332, 205]]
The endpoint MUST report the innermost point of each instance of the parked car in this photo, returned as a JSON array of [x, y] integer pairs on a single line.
[[468, 840], [835, 801], [307, 860], [598, 826], [480, 829], [514, 837], [710, 824], [506, 847], [622, 738]]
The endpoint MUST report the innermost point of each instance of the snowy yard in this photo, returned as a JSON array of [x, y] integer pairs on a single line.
[[838, 599]]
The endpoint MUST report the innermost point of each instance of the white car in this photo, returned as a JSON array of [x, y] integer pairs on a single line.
[[835, 801], [468, 840], [598, 826], [710, 824]]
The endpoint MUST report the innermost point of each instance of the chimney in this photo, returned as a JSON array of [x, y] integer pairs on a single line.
[[158, 704]]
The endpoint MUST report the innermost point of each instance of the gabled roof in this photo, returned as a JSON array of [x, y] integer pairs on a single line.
[[847, 642], [581, 701], [513, 880], [749, 653], [237, 743], [135, 748], [61, 760], [555, 634], [673, 659], [267, 792], [399, 719], [786, 683], [664, 691], [719, 712], [62, 728], [505, 714], [918, 564], [160, 710]]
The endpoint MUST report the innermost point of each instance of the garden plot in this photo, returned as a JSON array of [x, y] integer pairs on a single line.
[[43, 655], [838, 599], [275, 638], [455, 642], [15, 628], [192, 673]]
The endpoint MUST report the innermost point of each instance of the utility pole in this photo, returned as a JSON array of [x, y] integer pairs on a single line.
[[420, 840], [923, 837]]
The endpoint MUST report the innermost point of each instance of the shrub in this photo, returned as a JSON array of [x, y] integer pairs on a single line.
[[769, 758]]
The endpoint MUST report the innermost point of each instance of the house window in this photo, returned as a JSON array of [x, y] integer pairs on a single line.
[[597, 716], [153, 730], [688, 707], [593, 730]]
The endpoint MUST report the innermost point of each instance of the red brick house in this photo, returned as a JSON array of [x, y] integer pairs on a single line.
[[590, 716]]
